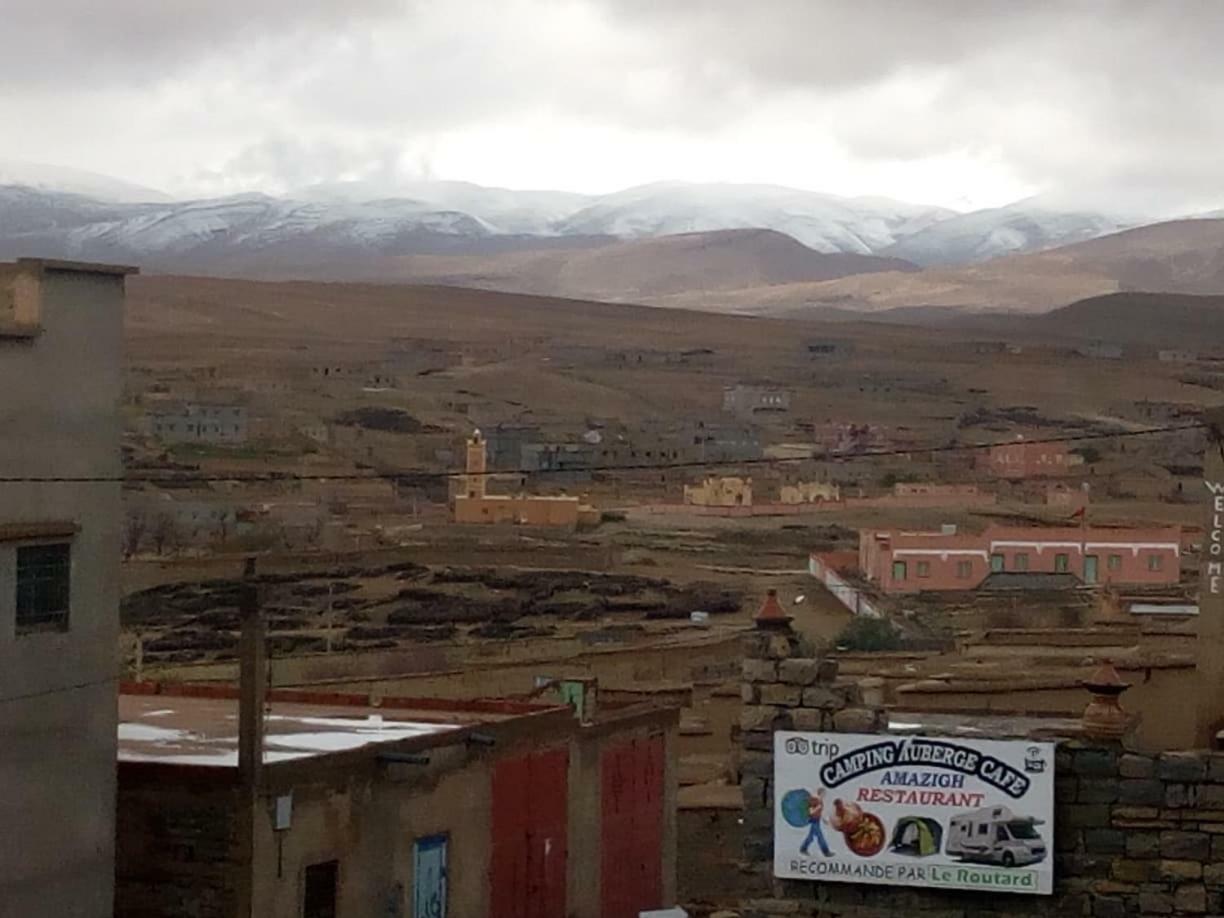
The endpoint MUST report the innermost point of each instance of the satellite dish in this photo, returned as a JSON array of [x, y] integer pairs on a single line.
[[800, 598]]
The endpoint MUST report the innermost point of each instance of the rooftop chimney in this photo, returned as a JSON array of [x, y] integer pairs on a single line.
[[1104, 718], [771, 614]]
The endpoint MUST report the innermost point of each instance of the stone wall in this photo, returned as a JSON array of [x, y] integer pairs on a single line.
[[1135, 833]]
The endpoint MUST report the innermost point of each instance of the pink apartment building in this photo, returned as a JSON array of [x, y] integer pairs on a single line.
[[911, 562]]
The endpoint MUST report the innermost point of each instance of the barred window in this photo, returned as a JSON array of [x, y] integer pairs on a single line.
[[43, 575]]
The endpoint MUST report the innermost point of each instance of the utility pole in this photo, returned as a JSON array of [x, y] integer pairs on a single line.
[[252, 694], [1210, 665], [252, 681]]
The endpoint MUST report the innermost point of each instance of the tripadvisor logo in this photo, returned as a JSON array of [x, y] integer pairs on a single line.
[[929, 754]]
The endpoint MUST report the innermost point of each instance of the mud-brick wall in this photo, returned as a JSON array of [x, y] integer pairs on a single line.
[[177, 849], [1134, 834]]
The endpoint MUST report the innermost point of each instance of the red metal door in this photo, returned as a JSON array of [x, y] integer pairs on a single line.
[[529, 821], [631, 840]]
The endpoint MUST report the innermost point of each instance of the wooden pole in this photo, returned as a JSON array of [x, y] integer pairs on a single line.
[[252, 693], [252, 681], [1210, 666]]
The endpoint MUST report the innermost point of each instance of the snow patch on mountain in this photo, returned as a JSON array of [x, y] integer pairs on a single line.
[[503, 210], [822, 222], [1025, 226], [75, 181], [353, 219]]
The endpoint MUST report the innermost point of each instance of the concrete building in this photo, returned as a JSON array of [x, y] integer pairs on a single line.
[[748, 400], [1066, 497], [830, 348], [845, 437], [1100, 351], [911, 562], [1176, 356], [1023, 459], [695, 441], [414, 807], [473, 503], [363, 373], [195, 519], [935, 491], [720, 492], [198, 422], [505, 444], [725, 442], [568, 462], [61, 327]]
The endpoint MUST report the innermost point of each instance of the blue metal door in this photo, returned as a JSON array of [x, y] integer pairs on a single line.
[[429, 877]]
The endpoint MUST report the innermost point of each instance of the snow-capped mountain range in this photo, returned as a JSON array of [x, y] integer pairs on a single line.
[[72, 214]]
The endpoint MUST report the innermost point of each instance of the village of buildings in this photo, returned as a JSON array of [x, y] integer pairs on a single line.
[[456, 620]]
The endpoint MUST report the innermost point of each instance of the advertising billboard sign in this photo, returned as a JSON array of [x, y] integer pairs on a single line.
[[914, 811]]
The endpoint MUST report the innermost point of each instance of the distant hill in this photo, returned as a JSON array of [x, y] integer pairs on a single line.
[[1025, 226], [91, 217], [754, 249], [640, 270], [824, 222], [1142, 319], [1182, 256], [43, 177]]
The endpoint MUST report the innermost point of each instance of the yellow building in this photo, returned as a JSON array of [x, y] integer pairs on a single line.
[[809, 492], [473, 503], [720, 492]]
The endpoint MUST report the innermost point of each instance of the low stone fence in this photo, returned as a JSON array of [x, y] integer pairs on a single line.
[[1134, 833]]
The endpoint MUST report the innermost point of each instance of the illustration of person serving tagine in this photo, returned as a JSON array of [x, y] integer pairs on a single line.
[[863, 832]]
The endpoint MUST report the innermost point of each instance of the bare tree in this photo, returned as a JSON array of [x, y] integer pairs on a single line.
[[136, 526], [165, 533]]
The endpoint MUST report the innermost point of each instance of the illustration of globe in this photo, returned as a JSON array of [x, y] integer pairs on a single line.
[[795, 808]]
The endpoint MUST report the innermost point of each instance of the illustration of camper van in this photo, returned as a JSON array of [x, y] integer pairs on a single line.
[[995, 835]]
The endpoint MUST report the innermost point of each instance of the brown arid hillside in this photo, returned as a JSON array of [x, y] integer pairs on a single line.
[[638, 270], [1142, 319], [1184, 256]]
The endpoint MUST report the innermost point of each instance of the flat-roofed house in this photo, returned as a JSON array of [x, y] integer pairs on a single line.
[[909, 562], [61, 331]]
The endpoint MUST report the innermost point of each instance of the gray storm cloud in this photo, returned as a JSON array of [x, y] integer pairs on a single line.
[[65, 42], [1117, 97], [1108, 100]]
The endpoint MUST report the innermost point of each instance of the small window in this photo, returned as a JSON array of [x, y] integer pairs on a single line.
[[1115, 562], [43, 577], [996, 563], [964, 570], [1062, 563], [924, 568], [983, 829], [1155, 562], [1021, 561], [898, 570]]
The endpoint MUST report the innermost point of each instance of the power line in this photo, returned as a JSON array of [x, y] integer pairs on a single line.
[[433, 475], [60, 690]]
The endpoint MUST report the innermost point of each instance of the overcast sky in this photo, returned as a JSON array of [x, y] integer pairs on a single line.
[[958, 102]]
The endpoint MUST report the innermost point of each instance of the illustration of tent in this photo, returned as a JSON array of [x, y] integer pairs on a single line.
[[917, 836]]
